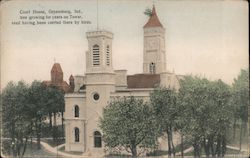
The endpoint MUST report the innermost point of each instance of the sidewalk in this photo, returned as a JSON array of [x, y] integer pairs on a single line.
[[60, 153]]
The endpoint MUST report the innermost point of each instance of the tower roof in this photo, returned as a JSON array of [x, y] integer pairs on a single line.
[[71, 77], [153, 21], [56, 68]]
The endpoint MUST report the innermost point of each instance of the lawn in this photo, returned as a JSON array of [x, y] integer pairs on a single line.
[[70, 152], [53, 143], [32, 151]]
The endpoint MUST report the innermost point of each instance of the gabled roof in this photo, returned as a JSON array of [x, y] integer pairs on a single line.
[[143, 80], [153, 21]]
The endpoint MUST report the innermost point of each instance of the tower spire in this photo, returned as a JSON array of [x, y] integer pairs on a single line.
[[153, 21], [154, 58]]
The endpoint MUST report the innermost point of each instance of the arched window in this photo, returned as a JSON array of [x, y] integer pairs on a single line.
[[107, 56], [152, 68], [96, 55], [76, 111], [97, 139], [77, 134]]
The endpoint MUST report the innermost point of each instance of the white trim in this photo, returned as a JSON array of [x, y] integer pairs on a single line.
[[75, 95]]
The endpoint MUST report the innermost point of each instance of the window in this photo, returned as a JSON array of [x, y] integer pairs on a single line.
[[77, 134], [152, 68], [97, 139], [96, 96], [76, 111], [107, 56], [96, 55]]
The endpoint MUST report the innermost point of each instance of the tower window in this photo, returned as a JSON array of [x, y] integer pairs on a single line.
[[96, 55], [76, 111], [97, 139], [77, 134], [107, 56], [152, 68]]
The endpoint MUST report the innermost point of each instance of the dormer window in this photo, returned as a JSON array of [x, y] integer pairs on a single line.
[[96, 55]]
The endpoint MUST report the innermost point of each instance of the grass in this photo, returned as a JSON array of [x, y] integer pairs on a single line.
[[158, 153], [31, 151], [186, 145], [228, 152], [53, 143], [70, 152]]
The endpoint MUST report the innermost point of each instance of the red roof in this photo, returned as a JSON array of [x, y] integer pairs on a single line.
[[143, 81], [56, 68], [57, 79], [153, 21]]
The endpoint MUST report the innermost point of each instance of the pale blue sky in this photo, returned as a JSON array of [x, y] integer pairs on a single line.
[[207, 38]]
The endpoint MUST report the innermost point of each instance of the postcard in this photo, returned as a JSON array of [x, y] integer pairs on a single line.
[[124, 78]]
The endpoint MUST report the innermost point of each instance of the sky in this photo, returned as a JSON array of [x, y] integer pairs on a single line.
[[206, 38]]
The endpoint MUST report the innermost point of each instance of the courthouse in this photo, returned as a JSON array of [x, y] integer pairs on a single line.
[[87, 95]]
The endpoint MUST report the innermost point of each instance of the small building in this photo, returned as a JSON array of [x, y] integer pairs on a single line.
[[57, 81]]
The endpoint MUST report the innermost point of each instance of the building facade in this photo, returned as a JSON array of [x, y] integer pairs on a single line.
[[101, 84]]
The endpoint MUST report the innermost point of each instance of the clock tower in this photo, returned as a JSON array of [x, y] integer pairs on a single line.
[[154, 55]]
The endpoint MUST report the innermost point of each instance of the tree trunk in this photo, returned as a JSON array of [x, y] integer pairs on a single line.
[[224, 146], [169, 143], [50, 120], [172, 143], [218, 148], [18, 146], [54, 118], [245, 128], [241, 126], [31, 142], [62, 124], [206, 147], [234, 129], [25, 144], [13, 142], [54, 133], [197, 149], [54, 127], [38, 141], [182, 146], [211, 142], [133, 150], [38, 134]]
